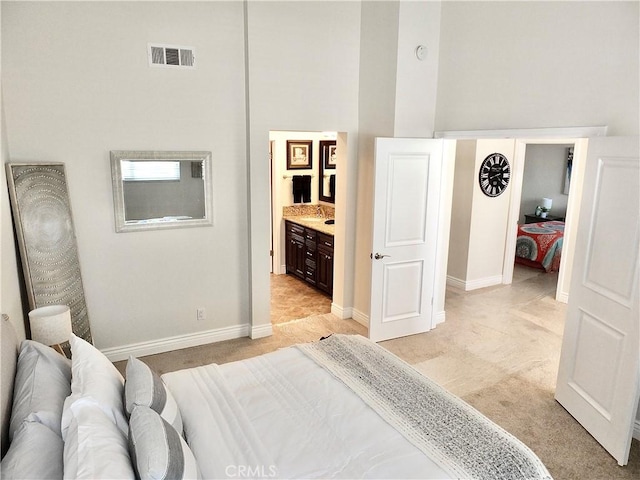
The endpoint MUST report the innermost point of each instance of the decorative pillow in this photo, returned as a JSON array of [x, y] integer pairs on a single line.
[[144, 387], [43, 381], [95, 448], [35, 453], [94, 376], [157, 450]]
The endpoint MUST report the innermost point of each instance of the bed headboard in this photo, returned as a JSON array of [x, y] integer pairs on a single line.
[[9, 352]]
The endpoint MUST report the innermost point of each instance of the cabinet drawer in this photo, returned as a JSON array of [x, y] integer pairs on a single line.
[[310, 234], [294, 228], [325, 240]]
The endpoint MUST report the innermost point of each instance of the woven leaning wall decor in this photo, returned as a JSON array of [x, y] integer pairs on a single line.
[[46, 239]]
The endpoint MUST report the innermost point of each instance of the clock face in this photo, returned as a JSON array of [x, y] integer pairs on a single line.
[[494, 174]]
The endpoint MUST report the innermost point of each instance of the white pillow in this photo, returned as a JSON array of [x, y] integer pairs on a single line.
[[43, 381], [157, 450], [35, 453], [144, 387], [94, 376], [94, 447]]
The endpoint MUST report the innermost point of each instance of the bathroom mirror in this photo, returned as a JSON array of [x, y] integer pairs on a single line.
[[327, 186], [155, 190]]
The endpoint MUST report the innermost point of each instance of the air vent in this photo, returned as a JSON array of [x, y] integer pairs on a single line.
[[171, 56]]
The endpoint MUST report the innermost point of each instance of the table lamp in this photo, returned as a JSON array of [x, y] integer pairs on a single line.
[[51, 325]]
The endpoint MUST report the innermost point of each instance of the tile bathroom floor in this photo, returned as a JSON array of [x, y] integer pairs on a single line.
[[292, 299]]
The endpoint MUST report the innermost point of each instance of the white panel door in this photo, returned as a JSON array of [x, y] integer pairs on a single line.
[[405, 221], [598, 377]]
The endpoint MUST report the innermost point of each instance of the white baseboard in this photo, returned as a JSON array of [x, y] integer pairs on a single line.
[[360, 317], [636, 429], [162, 345], [467, 285], [455, 282], [563, 297], [260, 331], [341, 312], [484, 282]]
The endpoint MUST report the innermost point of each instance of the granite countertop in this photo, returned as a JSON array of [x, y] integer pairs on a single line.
[[310, 222]]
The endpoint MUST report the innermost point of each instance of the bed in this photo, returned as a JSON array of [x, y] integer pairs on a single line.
[[341, 407], [539, 245]]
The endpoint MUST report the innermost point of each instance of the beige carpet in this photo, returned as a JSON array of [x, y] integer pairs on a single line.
[[498, 349]]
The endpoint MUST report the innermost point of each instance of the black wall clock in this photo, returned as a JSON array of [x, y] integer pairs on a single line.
[[494, 174]]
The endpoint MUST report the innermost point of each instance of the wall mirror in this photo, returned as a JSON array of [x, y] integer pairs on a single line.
[[327, 187], [154, 190]]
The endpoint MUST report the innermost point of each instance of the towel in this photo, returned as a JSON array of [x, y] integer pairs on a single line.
[[332, 186], [296, 182], [301, 188], [306, 188]]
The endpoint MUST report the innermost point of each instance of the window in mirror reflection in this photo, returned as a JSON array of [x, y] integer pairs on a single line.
[[150, 171]]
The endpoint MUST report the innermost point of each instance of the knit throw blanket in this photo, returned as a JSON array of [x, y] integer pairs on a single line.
[[460, 439]]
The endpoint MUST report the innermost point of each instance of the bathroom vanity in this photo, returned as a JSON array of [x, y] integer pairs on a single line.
[[309, 251]]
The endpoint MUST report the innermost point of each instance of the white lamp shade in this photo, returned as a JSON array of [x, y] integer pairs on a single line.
[[546, 203], [50, 325]]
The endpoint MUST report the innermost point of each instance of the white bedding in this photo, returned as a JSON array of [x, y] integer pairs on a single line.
[[281, 415]]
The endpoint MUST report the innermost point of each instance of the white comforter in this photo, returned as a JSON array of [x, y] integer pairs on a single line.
[[281, 415]]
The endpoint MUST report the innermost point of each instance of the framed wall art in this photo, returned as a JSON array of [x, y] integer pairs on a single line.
[[328, 153], [299, 154]]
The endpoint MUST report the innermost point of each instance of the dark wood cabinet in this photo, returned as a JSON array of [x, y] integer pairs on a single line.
[[532, 218], [295, 251], [309, 256], [324, 270]]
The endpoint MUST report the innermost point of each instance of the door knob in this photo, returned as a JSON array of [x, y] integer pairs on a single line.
[[377, 256]]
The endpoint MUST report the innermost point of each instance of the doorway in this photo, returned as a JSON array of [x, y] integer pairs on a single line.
[[546, 182], [574, 194], [293, 298]]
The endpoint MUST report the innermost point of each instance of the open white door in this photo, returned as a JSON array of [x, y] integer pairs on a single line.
[[599, 373], [405, 232]]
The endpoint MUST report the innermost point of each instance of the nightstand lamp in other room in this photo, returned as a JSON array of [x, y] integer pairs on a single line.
[[51, 325]]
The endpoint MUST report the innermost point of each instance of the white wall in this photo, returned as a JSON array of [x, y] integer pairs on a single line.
[[397, 99], [489, 217], [10, 302], [416, 80], [544, 174], [539, 64], [479, 223], [303, 62], [377, 93], [85, 88], [464, 175]]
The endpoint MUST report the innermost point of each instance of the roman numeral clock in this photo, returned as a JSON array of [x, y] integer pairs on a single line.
[[494, 174]]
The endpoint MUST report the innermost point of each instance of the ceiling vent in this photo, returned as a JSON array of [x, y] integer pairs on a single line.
[[171, 56]]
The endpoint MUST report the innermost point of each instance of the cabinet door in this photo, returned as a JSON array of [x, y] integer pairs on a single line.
[[299, 254], [324, 270]]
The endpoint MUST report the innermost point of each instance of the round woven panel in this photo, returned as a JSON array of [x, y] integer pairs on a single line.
[[49, 241]]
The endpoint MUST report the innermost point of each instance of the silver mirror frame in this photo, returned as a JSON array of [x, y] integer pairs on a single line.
[[118, 191]]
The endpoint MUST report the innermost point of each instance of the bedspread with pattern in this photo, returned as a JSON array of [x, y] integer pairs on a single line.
[[541, 243]]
